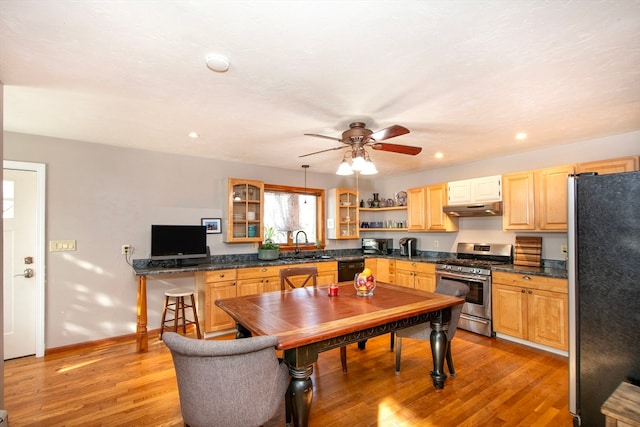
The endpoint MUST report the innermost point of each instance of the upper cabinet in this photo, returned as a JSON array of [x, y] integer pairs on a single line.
[[244, 207], [536, 200], [342, 217], [603, 167], [425, 209], [476, 190]]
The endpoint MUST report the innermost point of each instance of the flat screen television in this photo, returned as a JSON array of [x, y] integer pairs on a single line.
[[178, 242]]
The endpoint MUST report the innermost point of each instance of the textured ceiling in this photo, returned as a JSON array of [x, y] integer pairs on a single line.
[[463, 76]]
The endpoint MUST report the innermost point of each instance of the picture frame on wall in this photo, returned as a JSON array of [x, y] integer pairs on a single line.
[[214, 225]]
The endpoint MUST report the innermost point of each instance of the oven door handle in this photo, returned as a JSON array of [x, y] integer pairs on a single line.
[[444, 275]]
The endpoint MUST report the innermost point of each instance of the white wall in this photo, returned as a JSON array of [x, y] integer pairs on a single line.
[[104, 197]]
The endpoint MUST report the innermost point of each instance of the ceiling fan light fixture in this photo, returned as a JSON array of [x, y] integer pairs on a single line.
[[344, 168], [369, 168], [358, 163]]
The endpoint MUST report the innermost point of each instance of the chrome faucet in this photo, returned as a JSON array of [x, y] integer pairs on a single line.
[[305, 240]]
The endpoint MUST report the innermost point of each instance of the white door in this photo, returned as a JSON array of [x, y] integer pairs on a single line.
[[22, 263]]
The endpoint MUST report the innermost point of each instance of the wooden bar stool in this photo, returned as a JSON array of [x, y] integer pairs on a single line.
[[178, 307]]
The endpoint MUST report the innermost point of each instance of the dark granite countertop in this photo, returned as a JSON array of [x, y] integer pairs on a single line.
[[144, 267], [559, 273]]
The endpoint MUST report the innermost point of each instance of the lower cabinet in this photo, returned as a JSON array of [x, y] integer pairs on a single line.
[[533, 308], [327, 273], [213, 285], [416, 275], [256, 280]]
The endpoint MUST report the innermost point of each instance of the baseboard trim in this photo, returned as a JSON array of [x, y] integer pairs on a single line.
[[104, 341]]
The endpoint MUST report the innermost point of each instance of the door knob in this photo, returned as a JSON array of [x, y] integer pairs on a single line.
[[28, 272]]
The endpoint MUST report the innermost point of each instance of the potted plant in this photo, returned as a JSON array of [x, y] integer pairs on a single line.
[[269, 249]]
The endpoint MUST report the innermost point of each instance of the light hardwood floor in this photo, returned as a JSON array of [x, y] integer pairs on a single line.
[[498, 383]]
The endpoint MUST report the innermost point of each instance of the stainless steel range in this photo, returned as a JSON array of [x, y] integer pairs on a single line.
[[472, 266]]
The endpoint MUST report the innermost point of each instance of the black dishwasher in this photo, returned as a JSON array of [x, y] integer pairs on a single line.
[[348, 268]]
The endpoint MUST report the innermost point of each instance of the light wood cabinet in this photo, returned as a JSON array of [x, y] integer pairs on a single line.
[[416, 202], [425, 209], [244, 210], [343, 214], [256, 280], [213, 285], [327, 272], [603, 167], [536, 200], [551, 197], [383, 269], [437, 220], [533, 308], [415, 275]]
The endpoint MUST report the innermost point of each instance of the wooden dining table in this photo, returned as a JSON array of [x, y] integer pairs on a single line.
[[307, 321]]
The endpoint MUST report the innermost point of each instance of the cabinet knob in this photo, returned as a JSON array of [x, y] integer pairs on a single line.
[[523, 291], [264, 269], [530, 291], [526, 277], [222, 276]]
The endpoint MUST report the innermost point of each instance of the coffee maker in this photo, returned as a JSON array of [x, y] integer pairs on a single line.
[[408, 246]]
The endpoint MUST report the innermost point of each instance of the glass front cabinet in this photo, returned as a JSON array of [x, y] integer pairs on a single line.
[[245, 200], [343, 215]]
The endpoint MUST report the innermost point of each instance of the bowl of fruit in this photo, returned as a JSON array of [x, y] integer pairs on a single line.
[[364, 283]]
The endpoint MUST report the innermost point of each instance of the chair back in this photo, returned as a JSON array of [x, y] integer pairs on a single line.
[[454, 289], [303, 276], [217, 379]]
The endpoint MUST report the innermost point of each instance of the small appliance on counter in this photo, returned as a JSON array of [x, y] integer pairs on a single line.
[[377, 246], [408, 246]]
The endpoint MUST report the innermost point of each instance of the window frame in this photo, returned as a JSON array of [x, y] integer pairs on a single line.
[[320, 215]]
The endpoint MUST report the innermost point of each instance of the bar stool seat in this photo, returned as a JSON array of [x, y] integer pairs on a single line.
[[177, 307]]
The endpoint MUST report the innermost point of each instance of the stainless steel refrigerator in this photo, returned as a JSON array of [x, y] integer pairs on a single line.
[[604, 290]]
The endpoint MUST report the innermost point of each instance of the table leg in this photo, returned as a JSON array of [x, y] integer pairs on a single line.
[[299, 396], [438, 350], [142, 339]]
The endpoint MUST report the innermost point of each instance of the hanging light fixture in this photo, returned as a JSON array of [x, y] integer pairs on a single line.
[[305, 167], [360, 162], [344, 168]]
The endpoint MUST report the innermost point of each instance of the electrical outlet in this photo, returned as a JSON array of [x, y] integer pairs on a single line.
[[126, 249], [563, 249], [436, 244]]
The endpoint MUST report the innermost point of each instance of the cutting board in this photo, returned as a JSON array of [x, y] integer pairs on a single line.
[[528, 251]]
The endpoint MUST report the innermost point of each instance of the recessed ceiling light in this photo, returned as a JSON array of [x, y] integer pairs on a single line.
[[521, 135], [217, 62], [194, 135], [439, 155]]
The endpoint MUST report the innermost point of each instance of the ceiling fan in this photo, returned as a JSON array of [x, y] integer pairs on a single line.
[[358, 136]]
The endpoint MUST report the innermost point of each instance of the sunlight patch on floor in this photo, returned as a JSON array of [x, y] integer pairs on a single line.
[[77, 365], [393, 414]]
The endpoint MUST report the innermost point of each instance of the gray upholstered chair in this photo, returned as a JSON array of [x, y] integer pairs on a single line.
[[423, 331], [304, 276], [228, 382]]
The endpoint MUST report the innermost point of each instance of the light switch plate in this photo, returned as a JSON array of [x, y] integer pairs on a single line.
[[62, 245]]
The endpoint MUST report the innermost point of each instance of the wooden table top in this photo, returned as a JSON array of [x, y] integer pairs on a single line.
[[307, 315]]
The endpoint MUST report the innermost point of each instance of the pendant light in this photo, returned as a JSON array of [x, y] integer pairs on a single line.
[[305, 167]]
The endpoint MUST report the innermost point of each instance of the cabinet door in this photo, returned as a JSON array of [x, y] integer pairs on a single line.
[[405, 278], [245, 200], [416, 205], [551, 198], [216, 319], [343, 217], [459, 192], [548, 318], [509, 310], [487, 189], [519, 201], [327, 273], [425, 282], [385, 270], [603, 167], [437, 220]]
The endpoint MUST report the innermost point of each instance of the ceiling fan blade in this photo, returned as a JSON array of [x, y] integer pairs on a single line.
[[390, 132], [396, 148], [323, 136], [322, 151]]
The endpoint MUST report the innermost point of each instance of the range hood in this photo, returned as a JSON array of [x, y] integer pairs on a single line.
[[476, 209]]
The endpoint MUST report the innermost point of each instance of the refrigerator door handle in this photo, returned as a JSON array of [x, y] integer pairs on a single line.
[[572, 184]]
